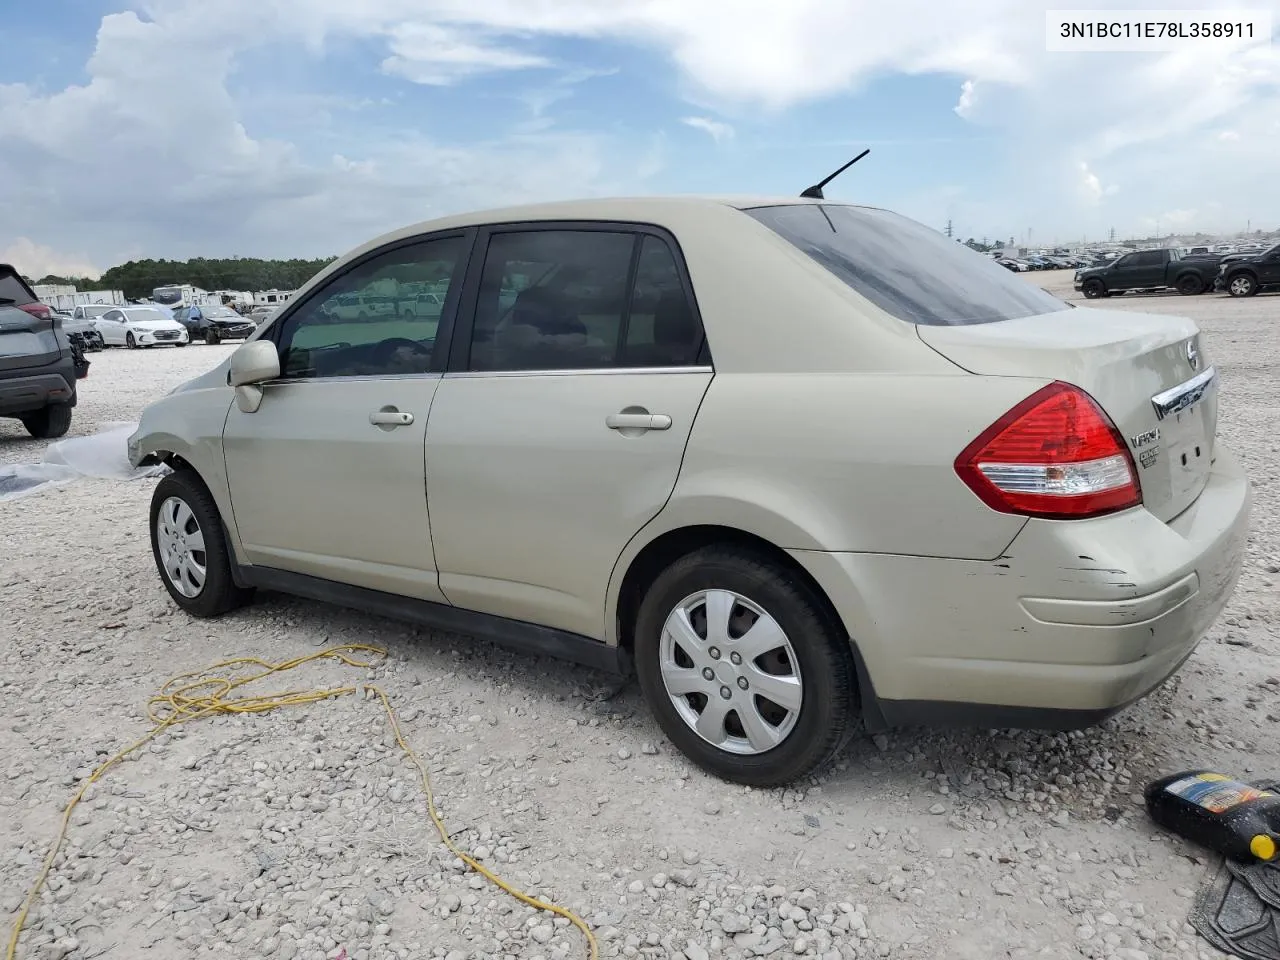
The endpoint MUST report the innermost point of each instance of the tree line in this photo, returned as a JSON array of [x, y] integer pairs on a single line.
[[137, 278]]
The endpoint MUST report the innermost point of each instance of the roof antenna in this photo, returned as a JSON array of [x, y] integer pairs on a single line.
[[815, 192]]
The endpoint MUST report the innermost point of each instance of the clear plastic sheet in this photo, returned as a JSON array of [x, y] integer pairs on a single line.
[[103, 454]]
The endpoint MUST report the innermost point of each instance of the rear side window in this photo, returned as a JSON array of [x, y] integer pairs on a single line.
[[553, 299], [906, 269]]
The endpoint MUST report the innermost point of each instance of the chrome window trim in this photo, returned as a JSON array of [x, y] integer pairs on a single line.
[[584, 371], [357, 377]]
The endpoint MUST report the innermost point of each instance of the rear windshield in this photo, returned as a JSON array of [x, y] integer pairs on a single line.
[[905, 268], [11, 289]]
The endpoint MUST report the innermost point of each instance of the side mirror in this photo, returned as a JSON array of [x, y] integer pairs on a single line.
[[254, 362], [251, 365]]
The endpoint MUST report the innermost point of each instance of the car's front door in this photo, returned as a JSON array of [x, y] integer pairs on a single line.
[[1146, 269], [577, 367], [327, 475]]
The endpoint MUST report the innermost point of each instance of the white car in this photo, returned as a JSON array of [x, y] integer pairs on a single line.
[[140, 327]]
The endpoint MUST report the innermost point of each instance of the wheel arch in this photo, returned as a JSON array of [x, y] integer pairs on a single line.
[[646, 559]]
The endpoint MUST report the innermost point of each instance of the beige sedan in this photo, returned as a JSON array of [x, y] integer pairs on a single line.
[[798, 464]]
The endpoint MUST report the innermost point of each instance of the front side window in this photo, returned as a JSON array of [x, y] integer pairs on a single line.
[[908, 270], [369, 321], [113, 315], [569, 300]]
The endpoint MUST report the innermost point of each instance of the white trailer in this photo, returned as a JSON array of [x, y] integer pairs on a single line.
[[65, 297]]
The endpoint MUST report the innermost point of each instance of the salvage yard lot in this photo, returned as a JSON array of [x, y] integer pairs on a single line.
[[302, 832]]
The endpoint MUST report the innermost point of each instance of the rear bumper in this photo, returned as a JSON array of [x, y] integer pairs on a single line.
[[27, 392], [1076, 621]]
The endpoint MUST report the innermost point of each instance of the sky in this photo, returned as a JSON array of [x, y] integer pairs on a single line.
[[302, 128]]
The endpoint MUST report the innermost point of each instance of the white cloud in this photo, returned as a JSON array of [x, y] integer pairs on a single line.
[[35, 260], [436, 55], [110, 164], [717, 130], [1228, 136]]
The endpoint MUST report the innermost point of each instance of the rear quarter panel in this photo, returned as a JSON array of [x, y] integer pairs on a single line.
[[857, 463]]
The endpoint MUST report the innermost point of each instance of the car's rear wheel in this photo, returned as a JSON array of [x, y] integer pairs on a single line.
[[1093, 289], [745, 670], [190, 548], [50, 423], [1242, 285], [129, 342], [1190, 285]]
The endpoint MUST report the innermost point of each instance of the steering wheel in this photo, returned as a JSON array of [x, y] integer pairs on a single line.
[[383, 352]]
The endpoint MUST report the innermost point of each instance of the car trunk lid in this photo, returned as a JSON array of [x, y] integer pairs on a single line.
[[1149, 373], [26, 340]]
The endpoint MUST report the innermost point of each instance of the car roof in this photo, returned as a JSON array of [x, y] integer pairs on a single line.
[[602, 208]]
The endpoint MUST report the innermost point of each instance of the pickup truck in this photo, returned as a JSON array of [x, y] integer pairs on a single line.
[[1243, 276], [1149, 270]]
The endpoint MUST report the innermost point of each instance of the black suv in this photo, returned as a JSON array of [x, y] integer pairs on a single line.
[[39, 365], [1243, 275], [214, 324]]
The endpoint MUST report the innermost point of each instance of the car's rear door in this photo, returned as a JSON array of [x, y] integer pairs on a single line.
[[576, 371], [111, 326], [327, 475]]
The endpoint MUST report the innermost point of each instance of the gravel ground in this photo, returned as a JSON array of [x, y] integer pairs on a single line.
[[303, 832]]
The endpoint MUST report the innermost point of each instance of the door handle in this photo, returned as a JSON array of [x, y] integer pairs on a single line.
[[638, 421], [390, 418]]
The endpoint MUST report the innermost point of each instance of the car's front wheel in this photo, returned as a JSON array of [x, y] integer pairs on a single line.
[[211, 337], [129, 341], [1242, 285], [744, 668], [1093, 289], [190, 548]]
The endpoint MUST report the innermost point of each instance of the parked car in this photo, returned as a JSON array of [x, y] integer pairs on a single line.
[[83, 333], [1243, 276], [260, 314], [1148, 270], [140, 327], [861, 473], [39, 365], [213, 324]]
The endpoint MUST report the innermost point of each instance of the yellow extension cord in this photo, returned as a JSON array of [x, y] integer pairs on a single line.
[[204, 695]]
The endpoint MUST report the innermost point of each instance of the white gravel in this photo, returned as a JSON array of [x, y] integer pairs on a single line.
[[301, 833]]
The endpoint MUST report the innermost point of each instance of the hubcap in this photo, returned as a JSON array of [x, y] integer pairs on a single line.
[[1240, 286], [745, 703], [181, 545]]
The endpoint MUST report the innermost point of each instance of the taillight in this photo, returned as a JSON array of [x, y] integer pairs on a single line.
[[39, 310], [1055, 455]]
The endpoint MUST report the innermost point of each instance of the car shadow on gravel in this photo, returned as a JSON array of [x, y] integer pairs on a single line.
[[1092, 774]]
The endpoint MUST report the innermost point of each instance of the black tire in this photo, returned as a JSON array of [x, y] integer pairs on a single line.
[[1189, 285], [1093, 289], [211, 337], [129, 342], [219, 593], [828, 711], [50, 423], [1242, 285]]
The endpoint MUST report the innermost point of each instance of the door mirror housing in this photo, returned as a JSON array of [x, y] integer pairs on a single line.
[[251, 365]]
